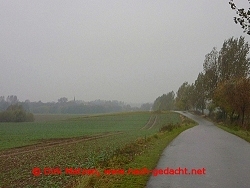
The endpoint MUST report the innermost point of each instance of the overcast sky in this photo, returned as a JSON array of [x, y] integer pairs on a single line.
[[126, 50]]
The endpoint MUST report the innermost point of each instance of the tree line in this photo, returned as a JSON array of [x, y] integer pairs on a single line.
[[223, 87], [63, 106]]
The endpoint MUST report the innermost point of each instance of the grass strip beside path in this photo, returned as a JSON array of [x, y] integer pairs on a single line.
[[147, 152], [236, 131]]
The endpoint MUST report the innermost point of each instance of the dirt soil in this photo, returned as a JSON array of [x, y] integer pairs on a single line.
[[44, 144]]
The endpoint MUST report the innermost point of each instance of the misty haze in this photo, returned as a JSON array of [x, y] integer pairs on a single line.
[[107, 93]]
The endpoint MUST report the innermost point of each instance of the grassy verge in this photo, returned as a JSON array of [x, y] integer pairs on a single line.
[[141, 154], [236, 131]]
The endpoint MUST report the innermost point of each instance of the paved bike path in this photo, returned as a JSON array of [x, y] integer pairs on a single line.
[[225, 158]]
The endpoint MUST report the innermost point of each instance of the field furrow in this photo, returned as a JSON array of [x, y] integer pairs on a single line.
[[154, 122], [49, 144], [151, 122]]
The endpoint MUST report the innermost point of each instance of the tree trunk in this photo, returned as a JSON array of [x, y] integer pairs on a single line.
[[243, 117], [231, 117]]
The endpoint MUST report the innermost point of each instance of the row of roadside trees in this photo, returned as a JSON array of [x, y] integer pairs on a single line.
[[223, 87]]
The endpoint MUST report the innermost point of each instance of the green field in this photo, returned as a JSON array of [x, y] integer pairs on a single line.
[[21, 134], [16, 166]]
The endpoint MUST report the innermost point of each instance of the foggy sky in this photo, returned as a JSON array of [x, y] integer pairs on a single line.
[[128, 50]]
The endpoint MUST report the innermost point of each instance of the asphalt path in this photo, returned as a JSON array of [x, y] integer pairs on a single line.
[[218, 158]]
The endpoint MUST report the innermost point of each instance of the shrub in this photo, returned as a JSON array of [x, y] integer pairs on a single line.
[[15, 113], [169, 127]]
